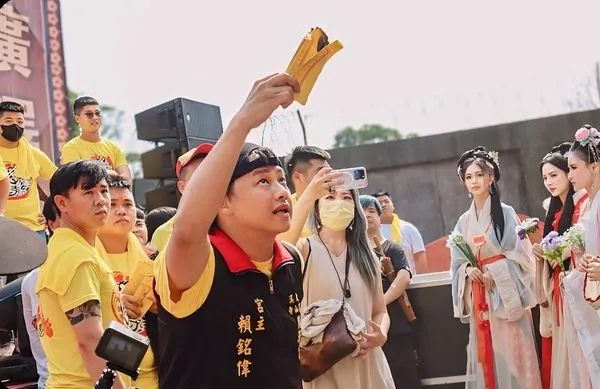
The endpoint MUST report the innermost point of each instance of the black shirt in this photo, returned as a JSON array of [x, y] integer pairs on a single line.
[[399, 325], [246, 333]]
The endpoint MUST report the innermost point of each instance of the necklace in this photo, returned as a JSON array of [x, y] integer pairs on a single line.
[[346, 285]]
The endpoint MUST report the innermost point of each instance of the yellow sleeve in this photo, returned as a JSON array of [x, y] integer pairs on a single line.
[[85, 286], [47, 167], [160, 238], [193, 298], [3, 171], [120, 159], [69, 154]]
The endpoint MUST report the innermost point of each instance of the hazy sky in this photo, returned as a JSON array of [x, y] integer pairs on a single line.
[[419, 66]]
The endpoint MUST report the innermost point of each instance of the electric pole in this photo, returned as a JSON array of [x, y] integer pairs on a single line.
[[303, 127]]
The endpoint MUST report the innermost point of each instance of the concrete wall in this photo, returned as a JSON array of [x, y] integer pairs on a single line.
[[420, 173]]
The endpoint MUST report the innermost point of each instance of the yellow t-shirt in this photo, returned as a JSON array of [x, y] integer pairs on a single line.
[[24, 164], [73, 273], [161, 235], [305, 230], [123, 266], [3, 171], [104, 151], [193, 298]]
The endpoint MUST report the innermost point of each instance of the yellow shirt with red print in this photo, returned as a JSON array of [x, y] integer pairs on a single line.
[[104, 151], [123, 266], [73, 274], [24, 164]]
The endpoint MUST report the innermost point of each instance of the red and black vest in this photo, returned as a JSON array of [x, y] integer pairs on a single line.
[[246, 333]]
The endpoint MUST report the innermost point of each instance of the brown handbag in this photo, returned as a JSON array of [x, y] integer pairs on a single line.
[[337, 343]]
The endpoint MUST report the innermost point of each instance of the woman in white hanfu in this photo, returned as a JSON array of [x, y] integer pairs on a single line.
[[494, 297], [584, 339]]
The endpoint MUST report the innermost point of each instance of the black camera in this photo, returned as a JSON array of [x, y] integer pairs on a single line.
[[123, 349]]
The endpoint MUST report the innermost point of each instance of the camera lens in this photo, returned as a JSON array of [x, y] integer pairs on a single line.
[[359, 174]]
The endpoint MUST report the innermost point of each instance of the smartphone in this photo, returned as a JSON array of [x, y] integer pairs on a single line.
[[353, 178]]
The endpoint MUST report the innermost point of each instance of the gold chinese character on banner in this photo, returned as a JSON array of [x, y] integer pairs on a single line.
[[244, 324], [243, 347], [243, 368], [14, 47]]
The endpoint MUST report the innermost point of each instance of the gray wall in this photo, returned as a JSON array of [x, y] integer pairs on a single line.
[[420, 173]]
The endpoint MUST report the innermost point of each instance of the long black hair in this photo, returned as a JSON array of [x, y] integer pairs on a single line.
[[556, 157], [487, 161]]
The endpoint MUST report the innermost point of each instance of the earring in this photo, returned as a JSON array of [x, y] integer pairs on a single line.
[[470, 195]]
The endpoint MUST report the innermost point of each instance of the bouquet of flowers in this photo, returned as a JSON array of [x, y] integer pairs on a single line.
[[455, 239], [574, 238], [553, 247], [528, 226]]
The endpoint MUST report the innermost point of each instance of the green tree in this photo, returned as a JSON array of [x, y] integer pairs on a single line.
[[112, 119], [367, 133]]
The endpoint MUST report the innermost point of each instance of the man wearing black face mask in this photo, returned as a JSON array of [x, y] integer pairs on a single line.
[[25, 165]]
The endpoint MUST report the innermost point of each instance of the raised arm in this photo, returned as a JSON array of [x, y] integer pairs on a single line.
[[189, 248], [318, 187]]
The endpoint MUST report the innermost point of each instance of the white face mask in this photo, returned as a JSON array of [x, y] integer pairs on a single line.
[[336, 215]]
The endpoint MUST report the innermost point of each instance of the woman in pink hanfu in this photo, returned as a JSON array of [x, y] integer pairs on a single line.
[[584, 338], [495, 296]]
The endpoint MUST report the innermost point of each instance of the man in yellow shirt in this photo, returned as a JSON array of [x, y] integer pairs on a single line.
[[123, 252], [185, 167], [90, 144], [78, 297], [25, 166], [228, 292], [4, 186], [302, 165]]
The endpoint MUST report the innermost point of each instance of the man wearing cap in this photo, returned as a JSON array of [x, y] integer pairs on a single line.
[[228, 291], [185, 167]]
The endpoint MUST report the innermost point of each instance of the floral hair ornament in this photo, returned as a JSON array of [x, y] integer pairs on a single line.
[[490, 158], [588, 135]]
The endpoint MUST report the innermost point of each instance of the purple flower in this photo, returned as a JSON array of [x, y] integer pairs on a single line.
[[522, 234], [553, 243], [548, 238]]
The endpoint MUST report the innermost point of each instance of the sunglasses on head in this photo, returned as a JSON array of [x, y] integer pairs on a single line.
[[90, 115]]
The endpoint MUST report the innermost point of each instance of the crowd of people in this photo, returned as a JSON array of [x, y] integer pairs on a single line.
[[252, 286]]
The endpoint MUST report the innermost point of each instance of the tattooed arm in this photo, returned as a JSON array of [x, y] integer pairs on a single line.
[[86, 321]]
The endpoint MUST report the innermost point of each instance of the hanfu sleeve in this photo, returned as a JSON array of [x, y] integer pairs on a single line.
[[514, 276], [461, 284]]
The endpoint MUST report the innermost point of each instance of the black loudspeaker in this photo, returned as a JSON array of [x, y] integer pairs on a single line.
[[181, 125], [160, 162], [180, 119], [163, 196]]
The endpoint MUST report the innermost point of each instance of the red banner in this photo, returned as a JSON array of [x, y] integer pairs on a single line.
[[32, 70]]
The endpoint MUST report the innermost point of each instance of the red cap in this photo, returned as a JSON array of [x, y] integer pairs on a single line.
[[197, 152]]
